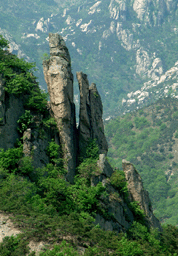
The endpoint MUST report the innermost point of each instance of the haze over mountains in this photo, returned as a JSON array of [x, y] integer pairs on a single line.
[[128, 48]]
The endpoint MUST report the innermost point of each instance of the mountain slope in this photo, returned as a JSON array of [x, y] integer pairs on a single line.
[[149, 139]]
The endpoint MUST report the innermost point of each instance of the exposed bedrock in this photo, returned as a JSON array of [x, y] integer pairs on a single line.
[[11, 108], [138, 193], [90, 116], [59, 79]]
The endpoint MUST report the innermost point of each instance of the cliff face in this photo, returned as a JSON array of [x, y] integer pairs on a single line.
[[11, 108], [35, 139]]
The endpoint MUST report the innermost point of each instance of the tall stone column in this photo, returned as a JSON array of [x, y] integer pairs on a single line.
[[59, 79], [90, 116]]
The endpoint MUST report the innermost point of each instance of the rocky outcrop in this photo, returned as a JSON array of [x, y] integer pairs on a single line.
[[159, 11], [118, 10], [90, 116], [36, 142], [138, 193], [11, 108], [59, 79], [120, 216], [115, 212], [35, 139]]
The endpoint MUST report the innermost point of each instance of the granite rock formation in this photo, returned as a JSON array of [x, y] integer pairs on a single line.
[[90, 116], [36, 137], [36, 141], [58, 76], [59, 79], [138, 193], [11, 108]]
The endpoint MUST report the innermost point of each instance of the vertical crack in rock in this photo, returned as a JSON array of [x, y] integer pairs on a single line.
[[59, 79], [90, 116]]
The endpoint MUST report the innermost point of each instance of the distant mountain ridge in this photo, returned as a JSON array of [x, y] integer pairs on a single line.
[[121, 44]]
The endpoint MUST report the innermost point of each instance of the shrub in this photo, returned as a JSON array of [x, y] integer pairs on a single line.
[[86, 197], [92, 150], [50, 122], [24, 121], [118, 181], [129, 248], [37, 100], [19, 79], [10, 158], [141, 122], [137, 211], [163, 126], [170, 156], [13, 246], [54, 152], [61, 250]]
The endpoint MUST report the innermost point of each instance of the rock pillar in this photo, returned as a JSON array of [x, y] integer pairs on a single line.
[[90, 116], [59, 79], [138, 193]]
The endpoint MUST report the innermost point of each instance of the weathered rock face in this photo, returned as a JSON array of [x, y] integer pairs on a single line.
[[90, 117], [156, 17], [113, 204], [138, 193], [36, 141], [11, 108], [59, 79]]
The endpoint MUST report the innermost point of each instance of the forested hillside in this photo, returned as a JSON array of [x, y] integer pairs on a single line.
[[149, 139]]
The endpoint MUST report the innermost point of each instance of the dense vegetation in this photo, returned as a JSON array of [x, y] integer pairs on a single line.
[[46, 207], [148, 138]]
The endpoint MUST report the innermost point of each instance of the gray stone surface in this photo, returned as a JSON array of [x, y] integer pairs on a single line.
[[90, 116], [138, 193], [104, 166], [11, 108], [35, 145], [59, 79]]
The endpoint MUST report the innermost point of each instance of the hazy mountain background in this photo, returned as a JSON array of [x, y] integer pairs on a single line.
[[123, 46], [129, 49]]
